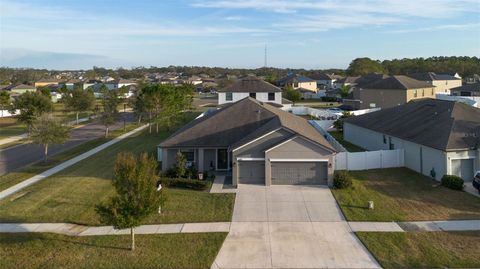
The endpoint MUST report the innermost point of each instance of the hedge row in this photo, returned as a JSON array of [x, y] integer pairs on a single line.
[[193, 184]]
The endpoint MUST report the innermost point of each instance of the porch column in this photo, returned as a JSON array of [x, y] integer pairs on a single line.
[[200, 160]]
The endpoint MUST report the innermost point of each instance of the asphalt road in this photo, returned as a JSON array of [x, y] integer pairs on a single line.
[[15, 158]]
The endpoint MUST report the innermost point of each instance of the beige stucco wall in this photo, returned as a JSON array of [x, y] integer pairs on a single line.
[[444, 86], [421, 93], [311, 86]]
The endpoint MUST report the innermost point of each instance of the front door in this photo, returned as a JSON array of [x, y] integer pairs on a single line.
[[222, 159]]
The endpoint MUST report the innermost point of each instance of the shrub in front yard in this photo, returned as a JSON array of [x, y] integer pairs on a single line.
[[342, 180], [452, 182]]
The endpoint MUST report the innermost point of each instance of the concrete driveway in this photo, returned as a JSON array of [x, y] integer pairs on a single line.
[[290, 227]]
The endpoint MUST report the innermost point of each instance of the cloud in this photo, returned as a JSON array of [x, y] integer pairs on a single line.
[[425, 8], [458, 27], [235, 18], [14, 57]]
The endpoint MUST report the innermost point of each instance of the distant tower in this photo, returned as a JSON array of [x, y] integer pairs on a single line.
[[265, 63]]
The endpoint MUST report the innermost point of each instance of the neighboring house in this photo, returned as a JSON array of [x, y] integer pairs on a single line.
[[472, 79], [95, 84], [250, 86], [46, 82], [258, 142], [442, 82], [326, 81], [348, 81], [298, 82], [70, 84], [388, 91], [472, 89], [437, 135], [19, 89], [125, 83]]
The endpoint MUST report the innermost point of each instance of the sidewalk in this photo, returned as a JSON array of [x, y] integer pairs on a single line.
[[66, 164], [212, 227], [81, 230]]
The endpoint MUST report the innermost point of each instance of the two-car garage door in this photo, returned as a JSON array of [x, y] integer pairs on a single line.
[[284, 173], [299, 173]]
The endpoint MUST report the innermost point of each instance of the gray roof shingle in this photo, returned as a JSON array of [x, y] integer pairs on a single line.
[[251, 84], [398, 82], [439, 124], [238, 123]]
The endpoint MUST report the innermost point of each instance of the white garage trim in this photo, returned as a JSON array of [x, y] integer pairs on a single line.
[[299, 160], [250, 159]]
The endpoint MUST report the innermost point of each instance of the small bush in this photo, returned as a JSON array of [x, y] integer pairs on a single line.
[[452, 182], [185, 183], [342, 180]]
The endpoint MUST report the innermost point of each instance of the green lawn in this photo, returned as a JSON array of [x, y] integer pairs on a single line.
[[10, 127], [13, 178], [152, 251], [400, 194], [71, 195], [347, 145], [424, 249]]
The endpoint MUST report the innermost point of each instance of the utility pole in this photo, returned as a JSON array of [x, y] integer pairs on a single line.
[[265, 62]]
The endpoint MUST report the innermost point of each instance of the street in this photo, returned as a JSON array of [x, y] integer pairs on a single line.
[[15, 158]]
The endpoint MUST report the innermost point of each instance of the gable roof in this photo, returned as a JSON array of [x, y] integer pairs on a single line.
[[20, 87], [322, 76], [251, 84], [439, 124], [294, 78], [398, 82], [237, 123], [431, 76]]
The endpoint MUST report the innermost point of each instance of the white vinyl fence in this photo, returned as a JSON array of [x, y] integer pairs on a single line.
[[6, 113], [369, 159]]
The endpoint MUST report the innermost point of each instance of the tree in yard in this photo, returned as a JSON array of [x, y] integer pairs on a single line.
[[135, 181], [31, 106], [141, 105], [80, 101], [338, 124], [110, 102], [180, 164], [4, 101], [47, 130], [291, 94], [345, 91]]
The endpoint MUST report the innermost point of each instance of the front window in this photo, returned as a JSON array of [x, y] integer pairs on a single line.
[[271, 96], [253, 95], [189, 155], [229, 96], [414, 93], [384, 139]]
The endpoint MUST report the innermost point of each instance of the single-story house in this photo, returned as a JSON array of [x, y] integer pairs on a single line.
[[20, 89], [257, 142], [250, 86], [439, 137]]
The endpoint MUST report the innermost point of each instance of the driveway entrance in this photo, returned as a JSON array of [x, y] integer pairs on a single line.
[[290, 227]]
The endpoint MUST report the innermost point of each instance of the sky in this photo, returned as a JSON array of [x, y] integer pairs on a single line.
[[321, 34]]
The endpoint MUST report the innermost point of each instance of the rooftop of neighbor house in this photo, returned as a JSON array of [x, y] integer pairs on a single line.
[[49, 80], [472, 87], [323, 76], [439, 124], [397, 82], [251, 84], [19, 86], [431, 76], [252, 120], [295, 78]]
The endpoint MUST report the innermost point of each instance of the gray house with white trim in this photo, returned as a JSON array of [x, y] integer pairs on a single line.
[[257, 142], [436, 135]]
